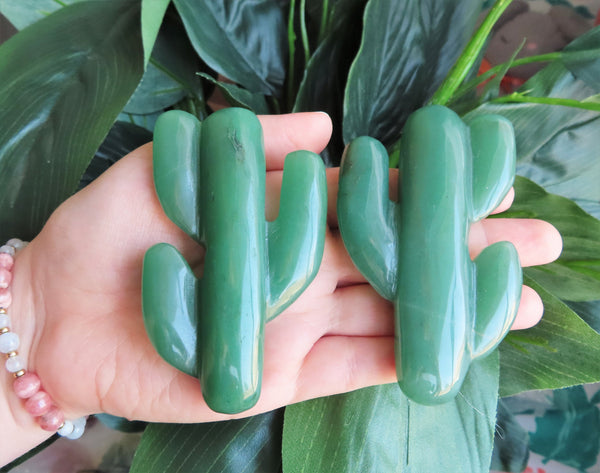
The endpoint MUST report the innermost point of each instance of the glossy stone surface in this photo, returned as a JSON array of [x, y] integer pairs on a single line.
[[210, 180], [449, 310], [27, 385]]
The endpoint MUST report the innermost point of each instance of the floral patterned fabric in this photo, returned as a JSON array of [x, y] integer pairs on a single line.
[[561, 430]]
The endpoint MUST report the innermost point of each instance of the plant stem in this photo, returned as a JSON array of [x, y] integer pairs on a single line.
[[292, 53], [324, 20], [517, 62], [520, 98], [549, 57], [468, 57], [304, 32]]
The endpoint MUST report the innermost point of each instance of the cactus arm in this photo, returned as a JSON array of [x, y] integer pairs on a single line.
[[296, 239], [368, 220], [494, 158], [499, 281], [175, 167], [232, 288], [169, 291]]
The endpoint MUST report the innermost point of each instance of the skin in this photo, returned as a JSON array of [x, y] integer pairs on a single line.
[[77, 304]]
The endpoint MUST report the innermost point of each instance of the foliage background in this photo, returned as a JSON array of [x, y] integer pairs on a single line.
[[74, 73]]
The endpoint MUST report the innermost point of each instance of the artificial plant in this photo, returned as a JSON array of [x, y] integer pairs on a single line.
[[75, 70]]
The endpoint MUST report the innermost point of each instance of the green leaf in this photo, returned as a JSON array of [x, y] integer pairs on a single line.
[[22, 13], [328, 68], [244, 41], [153, 12], [146, 121], [378, 430], [588, 69], [589, 311], [238, 97], [82, 64], [492, 89], [407, 48], [171, 74], [251, 445], [561, 350], [122, 138], [557, 146], [511, 443], [576, 274]]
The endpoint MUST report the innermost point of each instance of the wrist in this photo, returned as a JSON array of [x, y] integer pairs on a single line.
[[23, 431]]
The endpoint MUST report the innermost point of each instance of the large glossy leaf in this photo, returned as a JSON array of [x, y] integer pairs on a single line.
[[153, 12], [238, 97], [22, 13], [122, 138], [589, 311], [328, 68], [561, 350], [243, 40], [171, 74], [251, 445], [576, 274], [558, 146], [378, 430], [64, 80], [407, 49]]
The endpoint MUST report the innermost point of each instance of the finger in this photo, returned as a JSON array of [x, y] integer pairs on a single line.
[[536, 241], [286, 133], [506, 202], [342, 364], [346, 272], [359, 310], [531, 309]]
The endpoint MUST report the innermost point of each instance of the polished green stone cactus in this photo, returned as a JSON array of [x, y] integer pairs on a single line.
[[210, 180], [449, 309]]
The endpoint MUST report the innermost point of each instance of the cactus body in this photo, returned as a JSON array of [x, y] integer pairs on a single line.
[[449, 310], [210, 180]]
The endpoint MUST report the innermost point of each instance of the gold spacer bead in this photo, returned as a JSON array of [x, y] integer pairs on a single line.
[[19, 373], [3, 310], [4, 330], [12, 354]]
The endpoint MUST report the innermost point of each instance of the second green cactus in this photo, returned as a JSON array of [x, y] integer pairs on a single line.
[[449, 310], [210, 180]]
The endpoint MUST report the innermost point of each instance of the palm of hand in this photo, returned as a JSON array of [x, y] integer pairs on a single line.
[[91, 349]]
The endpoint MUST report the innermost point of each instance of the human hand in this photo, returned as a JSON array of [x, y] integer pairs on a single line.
[[77, 302]]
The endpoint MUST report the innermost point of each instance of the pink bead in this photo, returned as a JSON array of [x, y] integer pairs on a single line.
[[26, 385], [38, 404], [5, 278], [52, 420], [5, 298], [6, 261]]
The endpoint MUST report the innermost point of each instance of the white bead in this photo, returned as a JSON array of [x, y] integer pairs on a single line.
[[80, 421], [78, 430], [16, 243], [7, 249], [4, 321], [14, 364], [66, 429], [9, 341]]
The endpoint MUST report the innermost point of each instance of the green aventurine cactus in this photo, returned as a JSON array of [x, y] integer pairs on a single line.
[[210, 180], [449, 310]]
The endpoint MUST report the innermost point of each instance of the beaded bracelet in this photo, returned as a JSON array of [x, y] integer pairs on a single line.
[[27, 385]]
